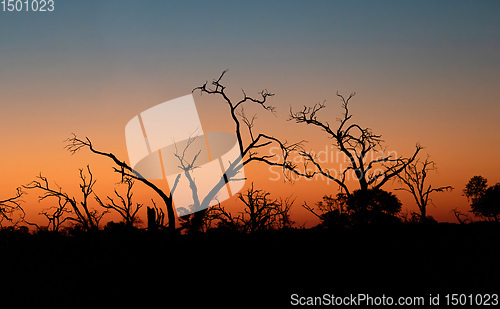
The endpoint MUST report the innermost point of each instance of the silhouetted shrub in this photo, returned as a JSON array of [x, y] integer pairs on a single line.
[[485, 201]]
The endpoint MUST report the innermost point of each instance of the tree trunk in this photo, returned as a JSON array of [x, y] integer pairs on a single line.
[[152, 226], [423, 214]]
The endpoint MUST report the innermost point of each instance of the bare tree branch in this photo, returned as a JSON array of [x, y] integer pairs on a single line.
[[253, 150], [239, 117], [414, 178], [355, 143], [75, 144], [85, 216], [260, 213], [9, 206], [125, 207]]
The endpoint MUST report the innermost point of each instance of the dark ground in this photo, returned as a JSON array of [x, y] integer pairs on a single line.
[[139, 269]]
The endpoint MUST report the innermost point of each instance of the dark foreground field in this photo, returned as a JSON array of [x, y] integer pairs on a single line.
[[146, 270]]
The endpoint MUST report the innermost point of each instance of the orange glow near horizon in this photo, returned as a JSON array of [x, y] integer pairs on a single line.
[[38, 148]]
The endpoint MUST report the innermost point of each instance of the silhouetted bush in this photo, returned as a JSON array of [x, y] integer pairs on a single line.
[[485, 201], [373, 206]]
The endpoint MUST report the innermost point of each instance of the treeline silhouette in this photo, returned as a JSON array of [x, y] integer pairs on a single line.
[[250, 257], [363, 244], [117, 266]]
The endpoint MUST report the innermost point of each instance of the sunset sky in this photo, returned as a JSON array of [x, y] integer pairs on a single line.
[[423, 71]]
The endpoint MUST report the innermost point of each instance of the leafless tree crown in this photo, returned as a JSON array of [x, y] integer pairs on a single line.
[[414, 178], [74, 144], [250, 149], [9, 206], [261, 212], [125, 207], [355, 142], [81, 213]]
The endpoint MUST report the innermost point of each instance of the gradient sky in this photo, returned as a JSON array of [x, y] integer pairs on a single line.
[[423, 71]]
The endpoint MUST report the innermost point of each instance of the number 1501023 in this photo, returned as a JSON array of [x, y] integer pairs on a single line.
[[27, 5]]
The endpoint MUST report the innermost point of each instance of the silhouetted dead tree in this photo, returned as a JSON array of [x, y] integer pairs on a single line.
[[156, 217], [82, 214], [414, 177], [251, 148], [56, 216], [159, 215], [9, 206], [217, 215], [461, 217], [187, 166], [356, 143], [260, 213], [125, 207], [282, 214], [75, 144]]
